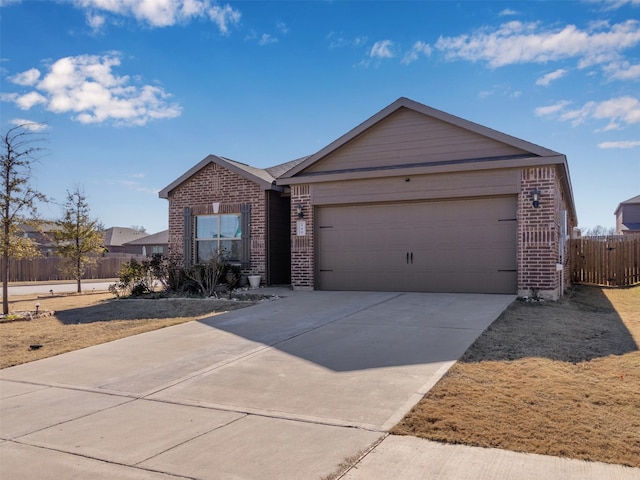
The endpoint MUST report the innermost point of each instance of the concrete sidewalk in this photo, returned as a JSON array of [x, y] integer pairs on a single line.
[[285, 389], [411, 458]]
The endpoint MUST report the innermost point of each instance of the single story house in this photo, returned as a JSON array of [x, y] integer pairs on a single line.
[[42, 234], [628, 216], [157, 243], [412, 199], [115, 238]]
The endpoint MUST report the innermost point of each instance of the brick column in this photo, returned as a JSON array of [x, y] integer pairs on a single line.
[[302, 254], [538, 234]]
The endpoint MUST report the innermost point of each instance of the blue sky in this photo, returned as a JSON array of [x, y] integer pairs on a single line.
[[135, 92]]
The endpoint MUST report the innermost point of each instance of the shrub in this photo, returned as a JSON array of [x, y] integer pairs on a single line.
[[135, 279], [207, 275], [138, 278]]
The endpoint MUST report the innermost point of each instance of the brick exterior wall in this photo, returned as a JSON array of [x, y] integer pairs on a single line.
[[539, 241], [539, 235], [302, 247], [214, 183]]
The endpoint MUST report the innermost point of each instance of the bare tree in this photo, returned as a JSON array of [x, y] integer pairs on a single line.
[[599, 231], [18, 201], [79, 237]]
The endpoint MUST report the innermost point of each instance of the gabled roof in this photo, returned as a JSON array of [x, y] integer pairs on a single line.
[[159, 238], [279, 170], [632, 201], [403, 102], [286, 174], [116, 236], [39, 226], [535, 154], [265, 177]]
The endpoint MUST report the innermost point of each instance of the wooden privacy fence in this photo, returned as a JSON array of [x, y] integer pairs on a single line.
[[42, 269], [612, 261]]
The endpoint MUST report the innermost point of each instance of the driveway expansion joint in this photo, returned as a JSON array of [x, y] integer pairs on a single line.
[[218, 427], [101, 460]]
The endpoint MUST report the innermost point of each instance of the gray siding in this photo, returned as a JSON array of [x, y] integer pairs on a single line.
[[409, 137], [419, 187]]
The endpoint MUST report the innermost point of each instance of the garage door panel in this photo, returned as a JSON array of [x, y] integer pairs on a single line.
[[454, 246]]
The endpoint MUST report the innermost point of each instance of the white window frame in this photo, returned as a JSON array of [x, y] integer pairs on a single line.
[[218, 238]]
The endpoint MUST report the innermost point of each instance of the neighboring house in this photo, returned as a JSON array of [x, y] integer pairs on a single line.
[[115, 238], [413, 199], [628, 216], [158, 243], [43, 235]]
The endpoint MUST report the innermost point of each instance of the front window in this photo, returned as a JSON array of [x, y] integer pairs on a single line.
[[218, 234]]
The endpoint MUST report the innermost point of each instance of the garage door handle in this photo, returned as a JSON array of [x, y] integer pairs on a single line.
[[411, 257], [407, 258]]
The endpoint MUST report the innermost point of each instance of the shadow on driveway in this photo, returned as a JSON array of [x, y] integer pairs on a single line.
[[348, 331], [582, 326]]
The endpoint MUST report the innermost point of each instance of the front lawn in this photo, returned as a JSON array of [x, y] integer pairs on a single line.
[[83, 320], [554, 378]]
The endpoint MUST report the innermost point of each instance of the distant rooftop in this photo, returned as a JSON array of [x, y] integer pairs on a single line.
[[116, 236], [154, 239]]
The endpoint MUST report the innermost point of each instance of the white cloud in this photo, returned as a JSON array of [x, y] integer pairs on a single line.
[[224, 17], [87, 87], [27, 78], [622, 71], [28, 100], [615, 4], [546, 80], [418, 48], [336, 40], [551, 109], [137, 187], [160, 13], [620, 144], [266, 39], [382, 49], [579, 115], [8, 97], [507, 12], [619, 112], [516, 42], [282, 27], [29, 124], [503, 90], [95, 21]]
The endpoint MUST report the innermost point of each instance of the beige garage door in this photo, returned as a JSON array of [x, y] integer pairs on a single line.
[[444, 246]]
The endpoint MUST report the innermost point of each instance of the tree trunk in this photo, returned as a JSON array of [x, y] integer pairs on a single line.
[[5, 286], [5, 266], [79, 275]]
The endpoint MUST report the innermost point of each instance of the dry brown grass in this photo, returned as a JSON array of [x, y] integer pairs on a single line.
[[89, 319], [554, 378]]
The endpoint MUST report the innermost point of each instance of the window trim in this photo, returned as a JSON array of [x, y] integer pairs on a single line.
[[189, 239], [218, 239]]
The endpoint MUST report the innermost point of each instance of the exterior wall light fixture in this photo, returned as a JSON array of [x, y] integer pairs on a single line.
[[299, 211], [535, 198]]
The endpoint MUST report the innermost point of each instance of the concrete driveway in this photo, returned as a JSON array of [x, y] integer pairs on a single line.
[[283, 389]]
